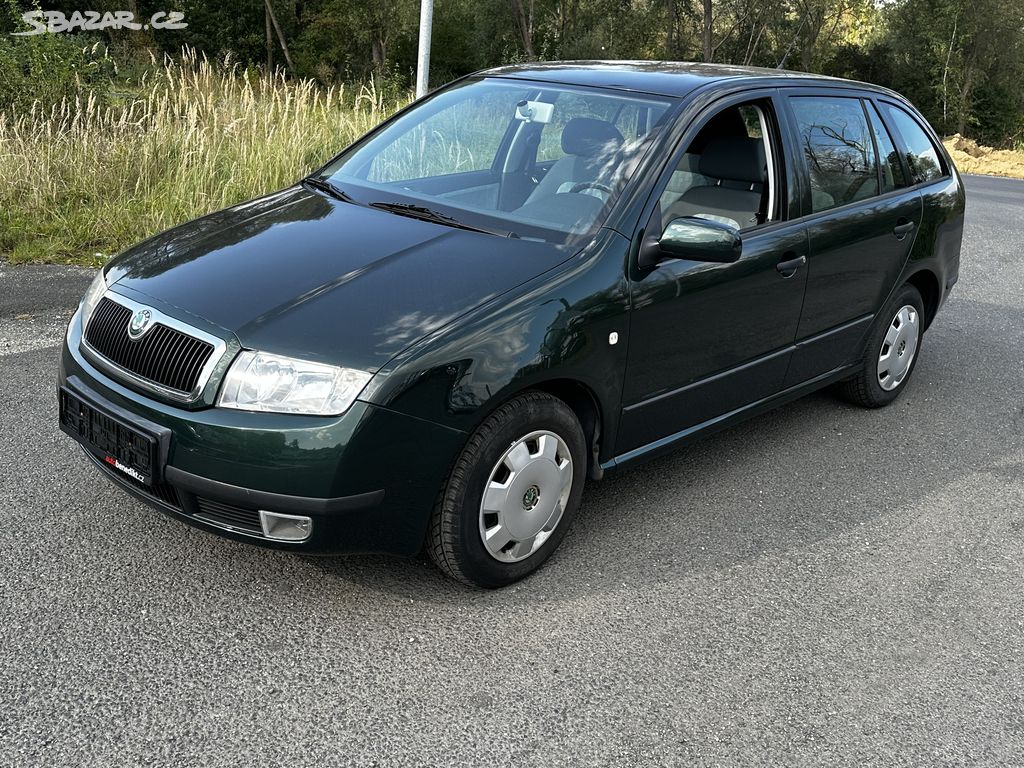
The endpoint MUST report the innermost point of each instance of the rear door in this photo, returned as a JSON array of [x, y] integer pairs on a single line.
[[861, 222]]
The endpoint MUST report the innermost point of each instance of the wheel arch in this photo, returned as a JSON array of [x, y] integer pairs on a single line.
[[927, 284], [584, 403]]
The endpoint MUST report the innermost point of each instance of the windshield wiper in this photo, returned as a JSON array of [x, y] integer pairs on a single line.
[[328, 188], [423, 213]]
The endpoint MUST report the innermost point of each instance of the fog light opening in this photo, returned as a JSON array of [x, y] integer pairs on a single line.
[[285, 527]]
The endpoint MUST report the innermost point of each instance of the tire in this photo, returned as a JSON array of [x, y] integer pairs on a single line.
[[538, 486], [897, 332]]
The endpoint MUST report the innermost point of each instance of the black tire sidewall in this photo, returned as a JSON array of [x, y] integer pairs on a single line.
[[527, 415]]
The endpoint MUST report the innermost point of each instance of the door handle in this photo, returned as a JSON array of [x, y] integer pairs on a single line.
[[903, 228], [789, 267]]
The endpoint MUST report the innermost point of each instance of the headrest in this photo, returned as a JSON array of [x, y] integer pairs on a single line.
[[588, 136], [735, 158]]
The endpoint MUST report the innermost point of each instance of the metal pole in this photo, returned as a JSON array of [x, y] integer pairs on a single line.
[[423, 59]]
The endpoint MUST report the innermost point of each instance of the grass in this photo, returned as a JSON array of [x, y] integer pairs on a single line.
[[80, 181]]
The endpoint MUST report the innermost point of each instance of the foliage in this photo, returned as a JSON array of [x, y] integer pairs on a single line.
[[81, 177], [47, 68], [961, 61]]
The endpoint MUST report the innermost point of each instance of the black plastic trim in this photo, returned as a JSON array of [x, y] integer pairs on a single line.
[[278, 502], [124, 485], [79, 389]]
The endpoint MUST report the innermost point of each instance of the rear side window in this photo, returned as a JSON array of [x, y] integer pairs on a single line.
[[889, 160], [838, 149], [922, 157]]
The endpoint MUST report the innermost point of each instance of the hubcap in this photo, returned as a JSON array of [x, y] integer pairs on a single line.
[[525, 496], [898, 348]]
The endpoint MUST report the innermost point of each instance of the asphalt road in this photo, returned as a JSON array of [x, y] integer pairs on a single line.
[[819, 586]]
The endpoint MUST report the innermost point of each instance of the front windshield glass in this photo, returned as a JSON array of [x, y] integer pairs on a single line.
[[538, 160]]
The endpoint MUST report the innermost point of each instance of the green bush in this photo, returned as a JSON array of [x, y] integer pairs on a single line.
[[43, 69]]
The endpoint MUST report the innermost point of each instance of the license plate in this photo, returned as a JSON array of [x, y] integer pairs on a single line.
[[124, 448]]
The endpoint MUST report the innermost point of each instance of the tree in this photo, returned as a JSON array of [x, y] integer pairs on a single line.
[[708, 30], [522, 12], [960, 61]]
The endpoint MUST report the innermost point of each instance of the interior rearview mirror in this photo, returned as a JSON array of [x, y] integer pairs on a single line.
[[696, 239]]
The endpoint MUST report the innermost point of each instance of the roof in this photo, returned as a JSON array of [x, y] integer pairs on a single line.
[[665, 78]]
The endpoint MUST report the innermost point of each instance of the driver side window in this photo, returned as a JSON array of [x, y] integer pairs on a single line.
[[726, 173]]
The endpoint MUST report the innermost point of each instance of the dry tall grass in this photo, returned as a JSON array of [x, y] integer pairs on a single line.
[[971, 157], [80, 181]]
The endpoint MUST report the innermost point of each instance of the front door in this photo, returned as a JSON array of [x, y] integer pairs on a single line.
[[707, 339]]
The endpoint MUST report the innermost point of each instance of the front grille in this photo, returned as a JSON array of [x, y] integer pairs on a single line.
[[162, 492], [237, 518], [164, 355]]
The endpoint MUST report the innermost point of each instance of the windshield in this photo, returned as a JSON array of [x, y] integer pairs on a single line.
[[532, 160]]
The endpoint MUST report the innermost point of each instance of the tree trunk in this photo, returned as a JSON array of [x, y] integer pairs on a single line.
[[280, 35], [675, 43], [379, 51], [945, 73], [752, 45], [814, 20], [524, 21], [965, 99], [270, 41], [709, 51], [806, 55]]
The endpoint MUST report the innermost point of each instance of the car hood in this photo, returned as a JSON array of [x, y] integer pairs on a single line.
[[301, 274]]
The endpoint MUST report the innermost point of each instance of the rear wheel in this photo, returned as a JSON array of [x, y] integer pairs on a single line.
[[512, 493], [891, 352]]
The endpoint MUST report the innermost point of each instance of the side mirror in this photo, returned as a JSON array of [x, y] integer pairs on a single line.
[[696, 239]]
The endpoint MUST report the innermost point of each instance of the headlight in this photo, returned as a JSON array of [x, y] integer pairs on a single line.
[[92, 298], [258, 381]]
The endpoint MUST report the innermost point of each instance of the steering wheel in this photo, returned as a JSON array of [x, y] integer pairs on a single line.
[[591, 185]]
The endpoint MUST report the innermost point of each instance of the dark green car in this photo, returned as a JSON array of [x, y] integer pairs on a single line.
[[532, 277]]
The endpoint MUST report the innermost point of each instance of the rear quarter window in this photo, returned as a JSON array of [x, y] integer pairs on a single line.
[[923, 158], [888, 158]]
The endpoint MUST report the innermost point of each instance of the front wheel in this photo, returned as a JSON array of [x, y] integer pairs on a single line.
[[891, 353], [512, 493]]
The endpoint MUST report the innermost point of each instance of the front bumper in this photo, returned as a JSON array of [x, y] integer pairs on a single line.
[[368, 479]]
